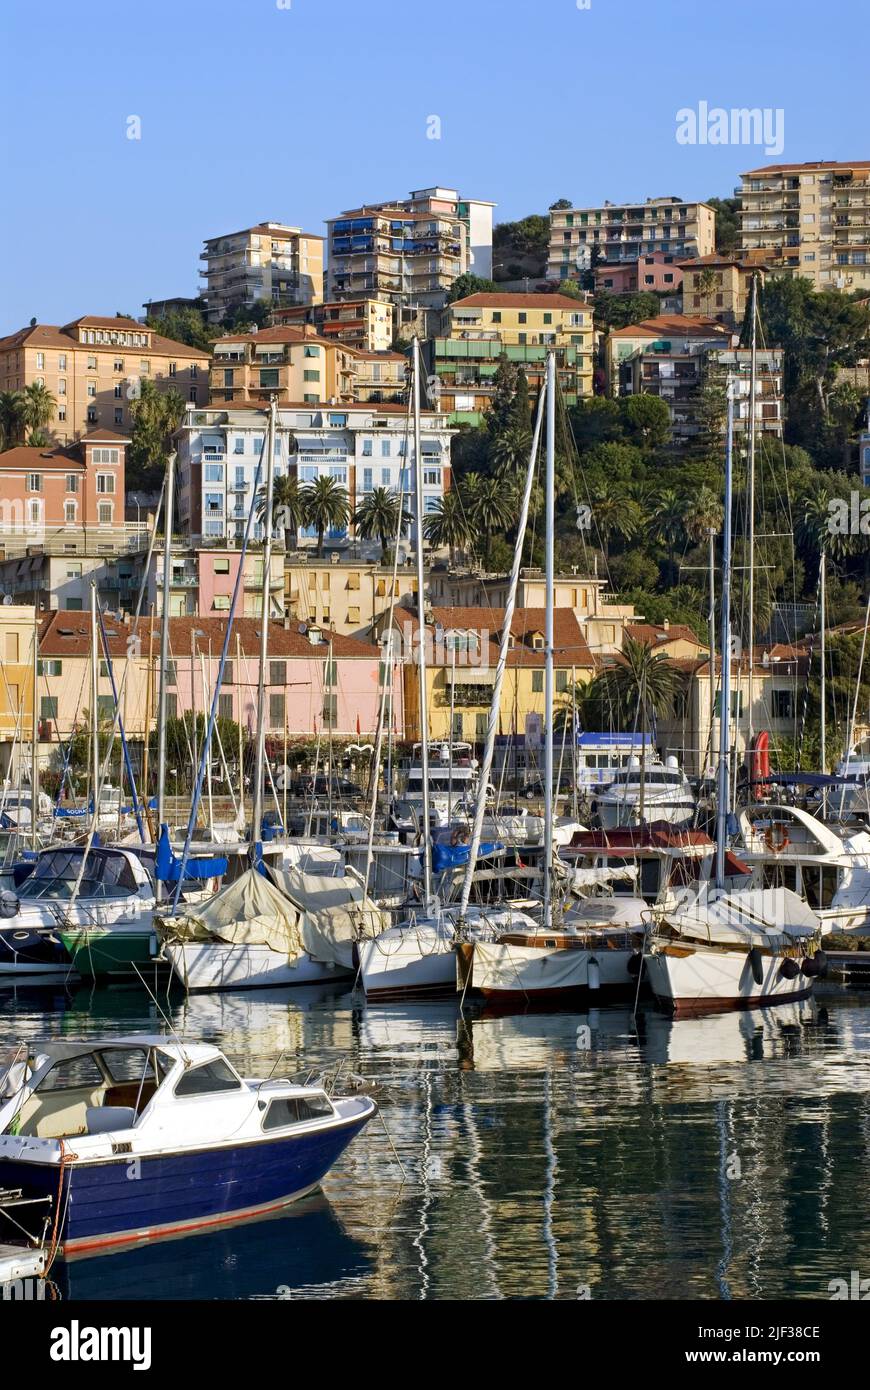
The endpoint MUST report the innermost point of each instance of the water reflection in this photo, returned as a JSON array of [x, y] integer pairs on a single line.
[[540, 1155]]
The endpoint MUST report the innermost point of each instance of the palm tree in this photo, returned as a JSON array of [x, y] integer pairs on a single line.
[[614, 513], [510, 452], [820, 528], [324, 506], [490, 510], [286, 508], [668, 519], [380, 514], [641, 676], [704, 514], [11, 417], [448, 524], [39, 408]]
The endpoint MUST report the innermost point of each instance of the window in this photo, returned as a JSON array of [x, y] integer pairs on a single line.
[[496, 317], [296, 1110], [72, 1074], [432, 477], [119, 364], [61, 362], [173, 369], [104, 513], [276, 710], [367, 480], [222, 566], [277, 672], [206, 1080], [480, 723], [311, 350], [34, 482], [119, 415], [119, 391], [783, 704], [330, 710], [105, 455], [92, 364], [48, 707], [92, 389], [214, 503], [268, 378], [548, 318], [171, 700], [61, 386], [353, 581], [225, 706], [46, 667], [106, 482], [561, 681], [329, 674], [69, 513], [105, 707], [537, 682], [522, 318], [214, 472], [385, 448], [367, 448], [353, 615], [311, 374]]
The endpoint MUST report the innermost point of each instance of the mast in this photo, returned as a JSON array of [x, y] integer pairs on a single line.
[[722, 800], [421, 618], [711, 635], [265, 613], [164, 644], [550, 515], [34, 751], [95, 676], [823, 722], [753, 372]]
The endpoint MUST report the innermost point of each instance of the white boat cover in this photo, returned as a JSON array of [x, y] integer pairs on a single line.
[[591, 878], [515, 969], [333, 912], [743, 916]]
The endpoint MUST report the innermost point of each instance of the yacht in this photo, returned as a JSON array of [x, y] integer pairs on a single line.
[[662, 789], [453, 778]]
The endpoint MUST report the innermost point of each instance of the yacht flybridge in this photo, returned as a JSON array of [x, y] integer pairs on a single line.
[[643, 793]]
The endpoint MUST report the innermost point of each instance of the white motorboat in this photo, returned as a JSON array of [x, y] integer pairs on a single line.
[[644, 794]]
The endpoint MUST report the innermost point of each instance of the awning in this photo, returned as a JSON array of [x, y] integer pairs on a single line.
[[470, 675]]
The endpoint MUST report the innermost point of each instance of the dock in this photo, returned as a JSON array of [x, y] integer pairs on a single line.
[[852, 966]]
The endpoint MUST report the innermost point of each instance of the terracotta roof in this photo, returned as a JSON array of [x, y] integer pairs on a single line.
[[50, 335], [65, 633], [277, 231], [39, 460], [808, 167], [569, 644], [282, 334], [656, 634], [94, 436], [676, 325], [692, 261], [519, 301]]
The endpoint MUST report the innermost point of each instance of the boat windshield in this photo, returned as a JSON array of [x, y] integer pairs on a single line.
[[107, 875]]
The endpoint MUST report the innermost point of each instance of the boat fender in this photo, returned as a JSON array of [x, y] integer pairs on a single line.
[[821, 961], [8, 903], [789, 968], [593, 974], [809, 967], [756, 965], [634, 964]]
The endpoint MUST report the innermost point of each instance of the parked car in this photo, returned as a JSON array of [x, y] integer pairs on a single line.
[[320, 786]]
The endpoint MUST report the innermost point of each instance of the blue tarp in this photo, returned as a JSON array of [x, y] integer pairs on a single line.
[[813, 779], [167, 868], [454, 856]]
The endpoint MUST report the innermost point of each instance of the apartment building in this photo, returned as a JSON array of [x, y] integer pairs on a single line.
[[348, 594], [17, 631], [811, 220], [270, 263], [360, 446], [479, 330], [365, 324], [294, 362], [657, 271], [675, 337], [94, 367], [71, 496], [462, 647], [203, 578], [719, 287], [625, 231], [409, 251], [381, 377]]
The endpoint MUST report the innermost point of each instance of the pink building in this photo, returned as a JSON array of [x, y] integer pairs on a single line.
[[316, 681], [657, 272]]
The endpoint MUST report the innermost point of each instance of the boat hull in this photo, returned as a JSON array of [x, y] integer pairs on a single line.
[[516, 973], [207, 966], [615, 815], [407, 962], [117, 1202], [27, 954], [697, 980], [97, 952]]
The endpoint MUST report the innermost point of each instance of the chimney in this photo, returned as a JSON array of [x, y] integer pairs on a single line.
[[667, 624]]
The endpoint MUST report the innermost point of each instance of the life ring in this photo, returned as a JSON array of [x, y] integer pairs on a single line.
[[776, 843]]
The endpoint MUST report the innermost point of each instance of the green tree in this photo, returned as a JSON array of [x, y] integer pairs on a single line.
[[619, 310], [649, 418], [380, 515], [467, 284], [12, 418], [287, 510], [448, 525], [184, 325], [510, 453], [614, 513], [641, 681], [156, 415], [668, 522], [325, 506], [39, 408], [491, 507], [727, 224]]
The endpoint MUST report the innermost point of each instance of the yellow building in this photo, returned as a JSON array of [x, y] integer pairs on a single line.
[[381, 377], [626, 231], [480, 329], [462, 646], [348, 596], [94, 367], [365, 323], [16, 684], [719, 287], [811, 220], [297, 364], [271, 263]]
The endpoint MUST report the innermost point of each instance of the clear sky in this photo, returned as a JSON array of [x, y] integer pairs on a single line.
[[297, 109]]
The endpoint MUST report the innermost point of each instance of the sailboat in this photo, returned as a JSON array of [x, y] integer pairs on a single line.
[[724, 943]]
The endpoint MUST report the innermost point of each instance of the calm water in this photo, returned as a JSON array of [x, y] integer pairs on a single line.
[[720, 1158]]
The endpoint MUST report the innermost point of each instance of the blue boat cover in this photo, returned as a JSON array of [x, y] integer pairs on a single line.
[[167, 868], [813, 779], [454, 856]]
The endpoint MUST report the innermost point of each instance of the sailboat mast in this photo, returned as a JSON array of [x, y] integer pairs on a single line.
[[550, 520], [823, 719], [265, 614], [753, 375], [421, 618], [34, 751], [722, 801], [164, 643], [95, 676]]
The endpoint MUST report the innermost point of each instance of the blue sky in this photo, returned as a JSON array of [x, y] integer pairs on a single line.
[[252, 111]]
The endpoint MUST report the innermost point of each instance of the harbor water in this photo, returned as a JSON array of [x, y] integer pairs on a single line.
[[593, 1155]]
